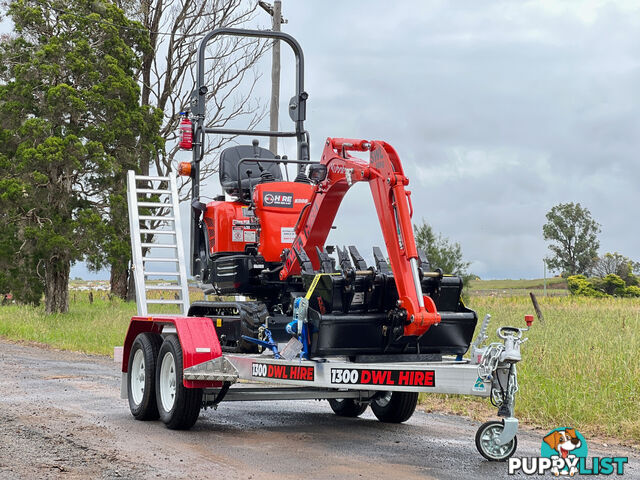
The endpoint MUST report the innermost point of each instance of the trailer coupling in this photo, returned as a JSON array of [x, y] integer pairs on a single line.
[[497, 365]]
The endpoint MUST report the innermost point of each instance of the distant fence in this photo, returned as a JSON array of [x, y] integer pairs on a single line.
[[519, 292]]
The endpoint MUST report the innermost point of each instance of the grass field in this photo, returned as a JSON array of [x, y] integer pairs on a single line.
[[89, 328], [580, 367], [538, 283], [556, 286]]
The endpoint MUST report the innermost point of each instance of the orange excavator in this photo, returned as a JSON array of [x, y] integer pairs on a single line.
[[265, 237]]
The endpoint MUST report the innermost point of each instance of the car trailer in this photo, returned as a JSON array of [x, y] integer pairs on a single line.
[[357, 335]]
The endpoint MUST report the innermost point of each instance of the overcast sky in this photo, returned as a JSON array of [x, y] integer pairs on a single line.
[[498, 110]]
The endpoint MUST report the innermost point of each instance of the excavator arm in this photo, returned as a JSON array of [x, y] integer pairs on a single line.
[[387, 181]]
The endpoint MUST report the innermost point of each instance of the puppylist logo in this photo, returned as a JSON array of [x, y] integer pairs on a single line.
[[564, 452]]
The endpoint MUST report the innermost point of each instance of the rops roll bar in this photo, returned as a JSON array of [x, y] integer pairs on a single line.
[[297, 104], [297, 111]]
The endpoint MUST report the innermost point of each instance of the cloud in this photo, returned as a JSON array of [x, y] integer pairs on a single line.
[[498, 113], [499, 110]]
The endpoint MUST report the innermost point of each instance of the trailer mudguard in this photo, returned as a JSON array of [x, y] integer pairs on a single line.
[[197, 336]]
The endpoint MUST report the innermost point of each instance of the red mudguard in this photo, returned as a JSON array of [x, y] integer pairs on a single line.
[[197, 336]]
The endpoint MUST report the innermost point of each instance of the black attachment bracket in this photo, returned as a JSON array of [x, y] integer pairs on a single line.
[[303, 260], [345, 265], [424, 261], [357, 258], [381, 262], [326, 264]]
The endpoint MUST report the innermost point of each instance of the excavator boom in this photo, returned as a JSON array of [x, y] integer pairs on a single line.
[[387, 181]]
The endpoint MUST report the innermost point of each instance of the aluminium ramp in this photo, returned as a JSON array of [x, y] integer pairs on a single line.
[[156, 244]]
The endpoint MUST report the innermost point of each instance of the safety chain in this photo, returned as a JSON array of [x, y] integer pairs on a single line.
[[513, 382], [489, 361], [486, 368]]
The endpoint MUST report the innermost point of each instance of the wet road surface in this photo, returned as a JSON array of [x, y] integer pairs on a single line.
[[61, 416]]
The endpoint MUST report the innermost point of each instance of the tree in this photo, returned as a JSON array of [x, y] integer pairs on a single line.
[[581, 286], [610, 285], [617, 264], [70, 113], [168, 69], [574, 236], [167, 76], [17, 272], [440, 251]]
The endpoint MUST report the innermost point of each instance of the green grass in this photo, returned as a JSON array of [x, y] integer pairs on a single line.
[[579, 368], [556, 286], [89, 328]]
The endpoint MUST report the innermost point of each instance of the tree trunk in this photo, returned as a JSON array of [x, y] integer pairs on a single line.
[[119, 280], [131, 290], [56, 295]]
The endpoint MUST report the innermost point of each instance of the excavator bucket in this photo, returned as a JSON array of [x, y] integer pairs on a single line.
[[354, 312]]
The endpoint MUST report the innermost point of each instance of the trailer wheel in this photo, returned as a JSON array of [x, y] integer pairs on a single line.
[[178, 406], [394, 407], [486, 437], [141, 376], [347, 407]]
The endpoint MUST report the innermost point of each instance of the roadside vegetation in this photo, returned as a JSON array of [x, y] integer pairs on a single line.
[[579, 368], [88, 327], [484, 285]]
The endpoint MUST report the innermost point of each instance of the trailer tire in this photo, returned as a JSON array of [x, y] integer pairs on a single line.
[[485, 436], [394, 407], [178, 406], [347, 407], [141, 376]]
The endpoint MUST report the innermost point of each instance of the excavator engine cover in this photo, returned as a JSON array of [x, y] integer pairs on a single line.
[[278, 206]]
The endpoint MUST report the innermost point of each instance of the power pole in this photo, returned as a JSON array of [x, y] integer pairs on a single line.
[[276, 16]]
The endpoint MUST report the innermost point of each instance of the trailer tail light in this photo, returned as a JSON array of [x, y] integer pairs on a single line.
[[184, 169], [186, 132]]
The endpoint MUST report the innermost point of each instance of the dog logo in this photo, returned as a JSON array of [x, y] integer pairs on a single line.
[[564, 446], [564, 453]]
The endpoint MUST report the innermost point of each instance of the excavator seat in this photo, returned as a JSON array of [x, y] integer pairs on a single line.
[[250, 172]]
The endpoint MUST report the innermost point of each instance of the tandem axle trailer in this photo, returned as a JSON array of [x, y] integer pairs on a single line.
[[173, 367]]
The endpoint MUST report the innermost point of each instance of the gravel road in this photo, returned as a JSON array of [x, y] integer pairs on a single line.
[[61, 416]]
